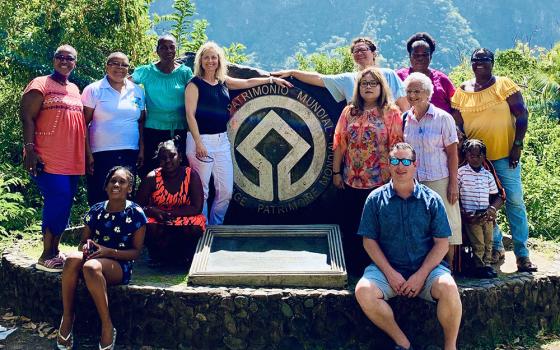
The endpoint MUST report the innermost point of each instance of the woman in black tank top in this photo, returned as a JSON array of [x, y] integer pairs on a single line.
[[208, 147]]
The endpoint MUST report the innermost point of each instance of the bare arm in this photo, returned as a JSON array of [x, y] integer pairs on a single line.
[[86, 234], [237, 84], [337, 168], [191, 103], [395, 279], [402, 102], [519, 110], [452, 166], [147, 186], [458, 119], [140, 160], [145, 190], [311, 78], [414, 284], [122, 254], [88, 117], [30, 107]]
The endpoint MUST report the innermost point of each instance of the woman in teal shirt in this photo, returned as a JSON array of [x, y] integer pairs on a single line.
[[164, 84]]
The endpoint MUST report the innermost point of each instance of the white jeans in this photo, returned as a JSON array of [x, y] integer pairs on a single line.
[[221, 167]]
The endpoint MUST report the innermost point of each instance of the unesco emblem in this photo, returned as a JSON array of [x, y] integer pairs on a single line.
[[281, 149]]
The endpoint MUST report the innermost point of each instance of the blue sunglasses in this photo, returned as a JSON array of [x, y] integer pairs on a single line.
[[404, 161]]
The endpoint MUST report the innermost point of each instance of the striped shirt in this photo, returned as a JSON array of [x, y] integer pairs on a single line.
[[429, 137], [475, 188]]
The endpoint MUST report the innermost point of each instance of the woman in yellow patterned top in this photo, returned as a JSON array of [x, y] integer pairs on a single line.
[[491, 109]]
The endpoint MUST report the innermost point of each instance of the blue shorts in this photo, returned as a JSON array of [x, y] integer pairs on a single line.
[[373, 274]]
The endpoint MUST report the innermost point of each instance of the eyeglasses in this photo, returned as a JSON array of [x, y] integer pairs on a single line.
[[118, 65], [65, 58], [404, 161], [481, 59], [366, 83], [415, 92], [206, 159], [361, 50]]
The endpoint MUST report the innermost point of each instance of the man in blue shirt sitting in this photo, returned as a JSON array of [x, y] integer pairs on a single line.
[[405, 232]]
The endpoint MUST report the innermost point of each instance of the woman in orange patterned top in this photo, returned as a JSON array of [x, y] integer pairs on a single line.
[[172, 198], [364, 134], [54, 138]]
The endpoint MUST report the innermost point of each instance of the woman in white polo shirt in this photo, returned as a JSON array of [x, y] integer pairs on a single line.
[[114, 109]]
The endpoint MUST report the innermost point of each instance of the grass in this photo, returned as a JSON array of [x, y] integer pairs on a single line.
[[141, 276]]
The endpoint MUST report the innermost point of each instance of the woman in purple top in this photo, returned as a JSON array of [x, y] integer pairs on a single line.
[[420, 48]]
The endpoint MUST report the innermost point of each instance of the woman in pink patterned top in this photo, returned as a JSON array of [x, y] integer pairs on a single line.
[[421, 47], [364, 134]]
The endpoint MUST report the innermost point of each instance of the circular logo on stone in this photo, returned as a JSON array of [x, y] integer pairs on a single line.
[[281, 149]]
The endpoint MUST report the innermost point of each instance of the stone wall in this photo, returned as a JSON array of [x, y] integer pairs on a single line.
[[244, 318]]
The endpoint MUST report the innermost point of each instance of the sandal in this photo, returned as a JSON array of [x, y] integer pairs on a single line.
[[69, 339], [112, 345], [55, 264], [524, 264]]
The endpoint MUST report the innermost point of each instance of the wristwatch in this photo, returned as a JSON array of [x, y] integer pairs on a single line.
[[518, 143]]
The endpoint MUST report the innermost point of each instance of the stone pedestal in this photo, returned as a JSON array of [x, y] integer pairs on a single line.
[[271, 255]]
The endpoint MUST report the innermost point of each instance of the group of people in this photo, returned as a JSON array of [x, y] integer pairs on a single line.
[[397, 146]]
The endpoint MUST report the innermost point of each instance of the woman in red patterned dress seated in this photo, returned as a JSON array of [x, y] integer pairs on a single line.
[[172, 198]]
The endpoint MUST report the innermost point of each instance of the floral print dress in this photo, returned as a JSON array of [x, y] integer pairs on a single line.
[[115, 229]]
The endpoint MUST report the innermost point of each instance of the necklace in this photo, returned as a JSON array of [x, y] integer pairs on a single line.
[[485, 84]]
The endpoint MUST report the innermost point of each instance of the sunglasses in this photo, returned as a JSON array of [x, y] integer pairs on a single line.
[[65, 58], [404, 161], [481, 59], [206, 159]]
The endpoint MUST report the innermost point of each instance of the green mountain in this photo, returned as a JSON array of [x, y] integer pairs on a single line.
[[274, 31]]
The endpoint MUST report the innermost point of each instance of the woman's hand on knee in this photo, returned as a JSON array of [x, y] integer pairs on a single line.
[[100, 251]]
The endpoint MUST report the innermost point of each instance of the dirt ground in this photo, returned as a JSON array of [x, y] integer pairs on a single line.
[[39, 336]]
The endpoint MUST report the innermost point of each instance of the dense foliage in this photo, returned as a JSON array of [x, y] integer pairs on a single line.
[[31, 30]]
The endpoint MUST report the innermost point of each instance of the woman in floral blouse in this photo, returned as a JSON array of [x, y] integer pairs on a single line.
[[112, 238], [364, 134]]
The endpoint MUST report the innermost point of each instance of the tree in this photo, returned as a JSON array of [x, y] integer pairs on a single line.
[[191, 35], [334, 61], [32, 29]]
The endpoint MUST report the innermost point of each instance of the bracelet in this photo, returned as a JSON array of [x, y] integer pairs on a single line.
[[29, 144], [270, 81], [336, 173], [492, 207]]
